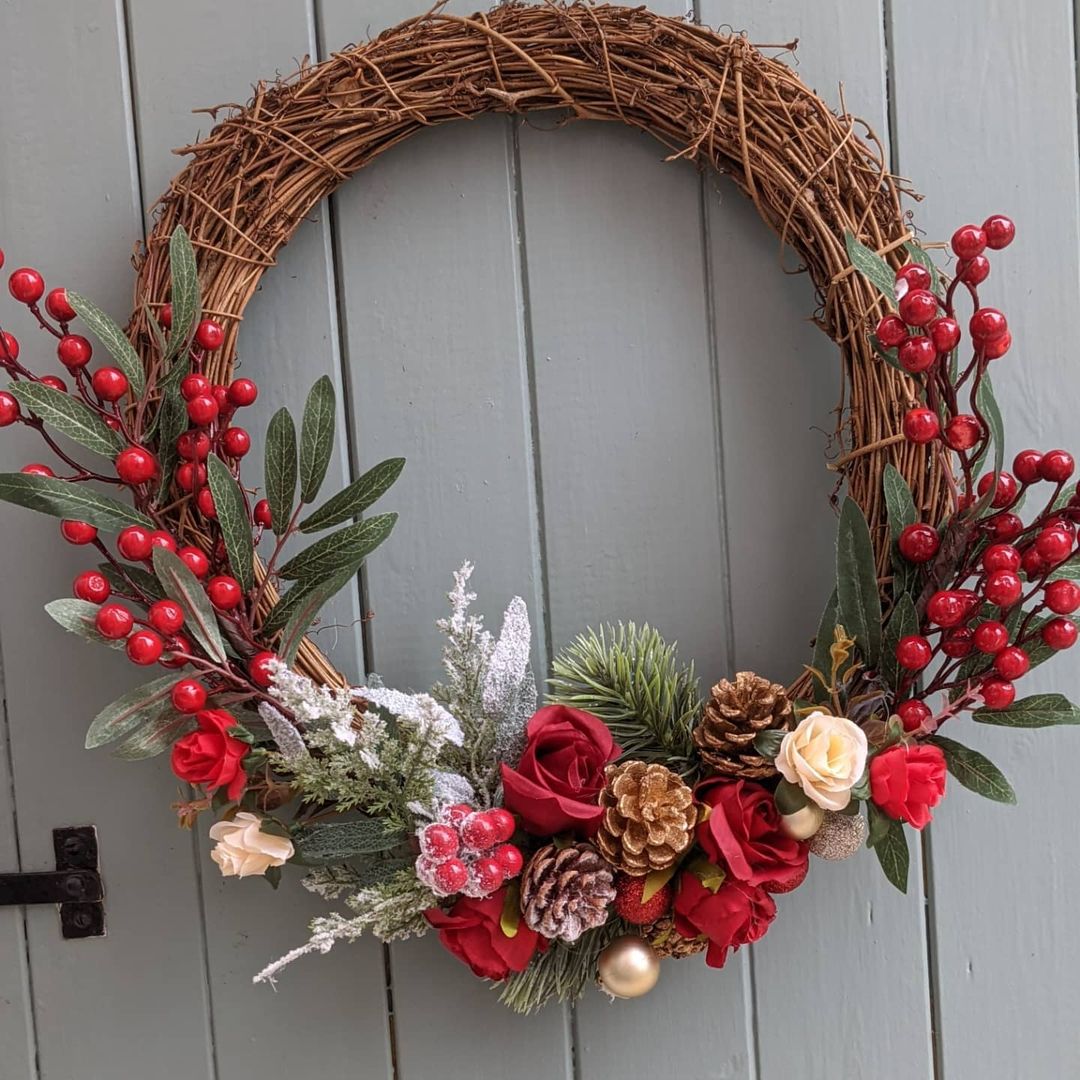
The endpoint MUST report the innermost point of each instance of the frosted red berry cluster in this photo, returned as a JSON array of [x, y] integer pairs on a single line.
[[468, 851]]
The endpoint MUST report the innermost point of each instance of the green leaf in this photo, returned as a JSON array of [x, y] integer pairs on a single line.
[[116, 343], [337, 841], [860, 792], [902, 622], [137, 706], [922, 257], [872, 267], [1039, 710], [280, 469], [879, 824], [822, 644], [767, 743], [888, 355], [892, 852], [339, 550], [156, 736], [142, 578], [988, 407], [184, 587], [789, 797], [306, 610], [77, 617], [235, 523], [172, 422], [70, 417], [859, 605], [974, 771], [898, 501], [356, 498], [316, 438], [63, 499], [184, 295]]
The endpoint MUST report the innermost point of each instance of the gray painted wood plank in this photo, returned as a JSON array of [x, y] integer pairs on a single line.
[[185, 57], [846, 928], [69, 203], [435, 348], [1001, 137]]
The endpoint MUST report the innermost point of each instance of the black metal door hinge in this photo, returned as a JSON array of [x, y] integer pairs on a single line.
[[75, 884]]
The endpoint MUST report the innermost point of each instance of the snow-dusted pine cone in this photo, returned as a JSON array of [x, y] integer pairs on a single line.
[[667, 941], [566, 891]]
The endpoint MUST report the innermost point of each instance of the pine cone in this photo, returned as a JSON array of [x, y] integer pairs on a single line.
[[649, 817], [731, 720], [566, 891], [667, 941]]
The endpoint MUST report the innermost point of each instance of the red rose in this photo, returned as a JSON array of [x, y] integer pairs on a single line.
[[210, 755], [736, 914], [906, 781], [472, 931], [744, 834], [557, 783]]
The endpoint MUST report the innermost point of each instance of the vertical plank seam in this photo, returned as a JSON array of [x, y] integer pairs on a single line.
[[927, 909], [22, 930], [340, 347]]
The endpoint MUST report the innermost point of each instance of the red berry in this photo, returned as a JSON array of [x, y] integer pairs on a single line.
[[919, 543], [209, 335], [135, 465], [913, 652], [9, 348], [439, 841], [74, 351], [945, 334], [891, 331], [968, 241], [166, 616], [9, 409], [1062, 597], [921, 425], [221, 395], [1059, 634], [160, 538], [176, 649], [114, 621], [261, 514], [918, 307], [1003, 588], [1053, 546], [962, 432], [1001, 557], [974, 271], [503, 822], [1033, 564], [994, 350], [987, 324], [999, 231], [1005, 527], [510, 859], [457, 813], [191, 386], [164, 316], [913, 714], [450, 876], [195, 561], [224, 592], [190, 475], [193, 446], [144, 647], [916, 275], [188, 696], [58, 306], [78, 532], [991, 637], [134, 543], [1005, 491], [37, 470], [109, 383], [236, 442], [92, 586], [1012, 662], [242, 392], [26, 285], [202, 410], [917, 354], [947, 608], [958, 642], [261, 668], [478, 832], [1056, 466], [997, 693], [205, 502], [488, 874], [1026, 466], [54, 382]]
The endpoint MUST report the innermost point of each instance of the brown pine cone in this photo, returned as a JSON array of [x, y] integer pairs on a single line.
[[731, 720], [566, 891], [667, 941], [649, 817]]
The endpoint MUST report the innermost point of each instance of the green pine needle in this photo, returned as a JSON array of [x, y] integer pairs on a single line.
[[632, 679]]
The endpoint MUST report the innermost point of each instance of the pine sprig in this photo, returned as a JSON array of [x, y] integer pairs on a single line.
[[633, 680]]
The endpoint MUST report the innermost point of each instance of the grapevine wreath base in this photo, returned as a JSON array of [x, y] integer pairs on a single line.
[[626, 819]]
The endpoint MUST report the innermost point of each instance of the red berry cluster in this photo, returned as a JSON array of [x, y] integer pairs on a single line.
[[468, 851]]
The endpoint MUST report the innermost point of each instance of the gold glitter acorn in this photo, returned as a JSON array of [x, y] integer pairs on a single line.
[[628, 968], [804, 822], [840, 836]]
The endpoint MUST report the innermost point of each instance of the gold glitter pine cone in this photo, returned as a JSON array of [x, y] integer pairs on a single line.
[[667, 941], [566, 891], [648, 820], [732, 718]]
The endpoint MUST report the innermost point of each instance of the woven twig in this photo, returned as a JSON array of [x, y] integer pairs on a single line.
[[713, 99]]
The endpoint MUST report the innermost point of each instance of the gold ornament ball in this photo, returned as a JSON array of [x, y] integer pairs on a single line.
[[628, 967], [840, 836], [804, 822]]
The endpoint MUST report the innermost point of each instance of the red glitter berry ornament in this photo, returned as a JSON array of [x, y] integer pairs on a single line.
[[54, 382], [630, 904], [974, 271]]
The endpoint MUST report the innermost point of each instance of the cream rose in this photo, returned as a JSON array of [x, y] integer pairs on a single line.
[[825, 756], [243, 849]]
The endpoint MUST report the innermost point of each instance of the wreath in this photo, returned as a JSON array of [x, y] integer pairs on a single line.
[[627, 818]]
